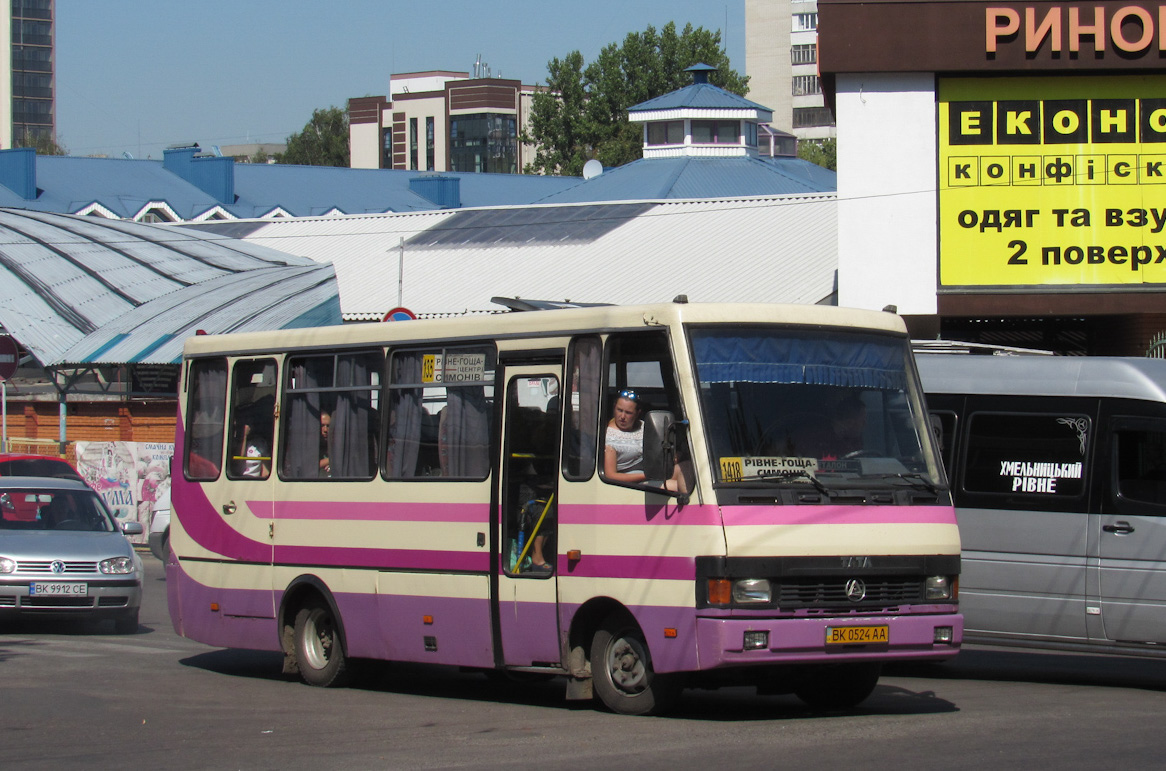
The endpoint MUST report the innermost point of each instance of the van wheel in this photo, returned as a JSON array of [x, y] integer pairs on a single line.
[[319, 647], [838, 686], [621, 666]]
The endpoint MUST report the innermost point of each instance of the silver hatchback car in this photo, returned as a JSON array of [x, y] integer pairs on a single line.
[[63, 554]]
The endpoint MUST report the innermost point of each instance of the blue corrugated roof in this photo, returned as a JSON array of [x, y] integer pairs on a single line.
[[68, 185], [688, 178], [703, 96]]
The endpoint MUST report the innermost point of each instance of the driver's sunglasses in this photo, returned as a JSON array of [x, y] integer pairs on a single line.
[[628, 393]]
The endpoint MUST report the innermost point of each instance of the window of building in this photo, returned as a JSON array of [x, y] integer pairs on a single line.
[[332, 416], [1030, 455], [413, 158], [720, 132], [666, 132], [805, 22], [440, 406], [32, 84], [750, 134], [32, 9], [807, 117], [806, 84], [485, 142], [804, 54], [386, 148], [430, 145]]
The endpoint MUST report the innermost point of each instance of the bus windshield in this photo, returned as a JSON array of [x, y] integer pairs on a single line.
[[812, 407]]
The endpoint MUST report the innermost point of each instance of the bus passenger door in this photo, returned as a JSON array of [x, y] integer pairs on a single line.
[[1133, 532], [527, 597]]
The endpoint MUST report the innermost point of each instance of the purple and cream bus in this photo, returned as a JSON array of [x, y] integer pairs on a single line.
[[455, 509]]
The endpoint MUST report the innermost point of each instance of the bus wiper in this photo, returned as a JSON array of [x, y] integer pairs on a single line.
[[914, 479], [790, 475]]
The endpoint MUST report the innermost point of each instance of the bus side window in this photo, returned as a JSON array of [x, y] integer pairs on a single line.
[[331, 416], [1140, 460], [252, 419], [583, 390], [205, 418], [642, 364], [943, 427], [439, 414]]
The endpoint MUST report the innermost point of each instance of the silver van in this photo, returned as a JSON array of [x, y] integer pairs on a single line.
[[1058, 473]]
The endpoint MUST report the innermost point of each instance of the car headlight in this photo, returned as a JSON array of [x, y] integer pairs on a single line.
[[938, 588], [118, 566], [752, 591], [7, 565]]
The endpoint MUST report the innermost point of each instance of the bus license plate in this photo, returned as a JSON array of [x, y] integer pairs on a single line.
[[856, 635], [59, 588]]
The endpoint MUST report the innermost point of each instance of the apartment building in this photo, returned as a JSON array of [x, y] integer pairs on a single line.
[[781, 60], [442, 121], [27, 74]]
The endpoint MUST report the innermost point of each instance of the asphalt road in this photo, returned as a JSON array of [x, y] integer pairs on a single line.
[[84, 697]]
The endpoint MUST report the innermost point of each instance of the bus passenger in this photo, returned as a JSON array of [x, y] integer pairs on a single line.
[[256, 454], [325, 463], [623, 451]]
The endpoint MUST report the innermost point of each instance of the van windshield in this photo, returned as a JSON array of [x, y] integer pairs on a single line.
[[827, 408]]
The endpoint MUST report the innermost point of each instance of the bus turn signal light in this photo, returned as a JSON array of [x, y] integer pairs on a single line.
[[720, 591]]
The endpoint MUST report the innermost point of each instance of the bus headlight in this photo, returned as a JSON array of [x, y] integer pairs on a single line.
[[752, 591], [938, 588]]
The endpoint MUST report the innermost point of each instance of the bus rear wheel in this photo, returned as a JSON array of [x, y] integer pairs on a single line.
[[319, 647], [621, 668], [838, 686]]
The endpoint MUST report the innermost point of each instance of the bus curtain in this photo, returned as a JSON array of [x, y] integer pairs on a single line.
[[810, 360]]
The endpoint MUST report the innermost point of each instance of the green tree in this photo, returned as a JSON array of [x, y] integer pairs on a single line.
[[323, 142], [823, 152], [43, 143], [582, 114]]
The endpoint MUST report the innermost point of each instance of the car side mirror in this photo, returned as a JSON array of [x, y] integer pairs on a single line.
[[131, 528]]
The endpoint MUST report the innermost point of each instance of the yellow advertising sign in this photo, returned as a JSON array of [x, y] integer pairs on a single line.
[[1052, 181]]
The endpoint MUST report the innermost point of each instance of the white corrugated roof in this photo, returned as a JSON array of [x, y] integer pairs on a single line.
[[88, 290], [768, 249]]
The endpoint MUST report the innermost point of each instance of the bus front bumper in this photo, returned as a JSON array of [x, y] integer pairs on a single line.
[[734, 642]]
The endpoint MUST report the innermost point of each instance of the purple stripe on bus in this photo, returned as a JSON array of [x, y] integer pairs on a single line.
[[202, 522], [631, 567], [638, 514], [380, 511], [386, 559], [837, 515]]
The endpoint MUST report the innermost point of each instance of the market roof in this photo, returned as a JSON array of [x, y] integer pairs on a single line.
[[88, 290], [701, 95], [763, 249], [689, 177]]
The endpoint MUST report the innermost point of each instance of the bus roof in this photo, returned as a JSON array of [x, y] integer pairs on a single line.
[[546, 323], [1098, 376]]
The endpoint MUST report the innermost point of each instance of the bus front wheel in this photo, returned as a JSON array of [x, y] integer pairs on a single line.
[[319, 649], [621, 668]]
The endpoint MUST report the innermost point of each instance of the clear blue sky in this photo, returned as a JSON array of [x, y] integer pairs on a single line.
[[139, 75]]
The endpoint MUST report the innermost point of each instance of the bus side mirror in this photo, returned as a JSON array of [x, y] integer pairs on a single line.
[[660, 443]]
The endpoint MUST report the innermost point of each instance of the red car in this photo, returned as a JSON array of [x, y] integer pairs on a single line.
[[20, 465]]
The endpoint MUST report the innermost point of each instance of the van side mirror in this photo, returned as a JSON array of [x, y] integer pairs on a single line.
[[660, 443]]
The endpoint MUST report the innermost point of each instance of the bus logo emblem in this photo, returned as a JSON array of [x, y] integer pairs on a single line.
[[855, 590]]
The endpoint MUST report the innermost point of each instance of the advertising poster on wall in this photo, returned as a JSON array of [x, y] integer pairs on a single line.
[[132, 477], [1047, 181]]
